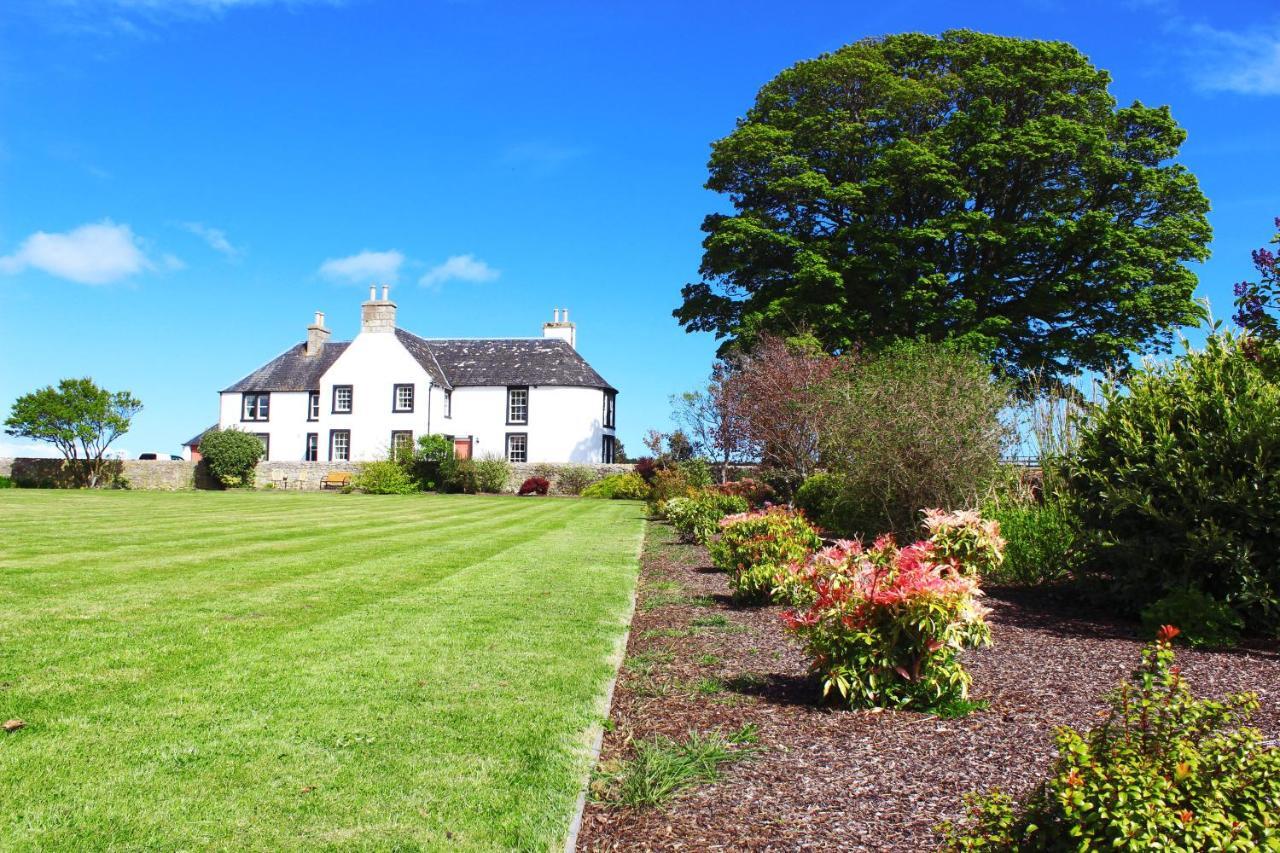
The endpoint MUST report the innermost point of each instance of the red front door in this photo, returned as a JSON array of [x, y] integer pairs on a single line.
[[462, 448]]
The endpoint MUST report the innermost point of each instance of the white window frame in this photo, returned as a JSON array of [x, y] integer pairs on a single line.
[[351, 399], [515, 392], [333, 444], [407, 434], [396, 391], [448, 403], [523, 439], [313, 405], [311, 448]]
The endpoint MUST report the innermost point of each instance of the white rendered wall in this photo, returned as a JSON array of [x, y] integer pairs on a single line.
[[372, 365], [564, 423], [286, 425]]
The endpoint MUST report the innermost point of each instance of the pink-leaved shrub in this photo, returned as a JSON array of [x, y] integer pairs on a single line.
[[884, 625], [756, 547]]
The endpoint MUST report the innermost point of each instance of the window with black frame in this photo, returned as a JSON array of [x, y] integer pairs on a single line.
[[402, 398], [518, 405], [339, 445], [255, 407], [343, 399]]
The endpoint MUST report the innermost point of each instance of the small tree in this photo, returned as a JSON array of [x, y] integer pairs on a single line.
[[715, 420], [777, 389], [232, 455], [79, 418]]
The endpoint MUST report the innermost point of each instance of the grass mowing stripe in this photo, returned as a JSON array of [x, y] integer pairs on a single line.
[[442, 714], [211, 545], [191, 526], [310, 580]]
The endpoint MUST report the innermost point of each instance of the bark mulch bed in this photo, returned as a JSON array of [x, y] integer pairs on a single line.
[[827, 778]]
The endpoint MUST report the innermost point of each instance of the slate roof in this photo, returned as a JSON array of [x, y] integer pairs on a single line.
[[292, 370], [450, 362], [420, 349], [514, 361]]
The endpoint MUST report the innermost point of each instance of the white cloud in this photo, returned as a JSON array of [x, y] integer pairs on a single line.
[[459, 268], [1247, 63], [364, 267], [215, 237], [99, 253], [29, 450]]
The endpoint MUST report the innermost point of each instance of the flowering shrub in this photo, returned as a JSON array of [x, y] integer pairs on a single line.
[[754, 547], [963, 538], [535, 486], [756, 493], [697, 518], [884, 625], [1166, 771]]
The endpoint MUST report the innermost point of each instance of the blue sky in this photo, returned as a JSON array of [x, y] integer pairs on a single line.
[[183, 183]]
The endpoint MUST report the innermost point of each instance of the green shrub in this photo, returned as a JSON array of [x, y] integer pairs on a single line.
[[754, 547], [697, 518], [572, 479], [1175, 483], [822, 497], [6, 483], [917, 425], [384, 478], [696, 471], [491, 474], [1203, 621], [231, 455], [1038, 540], [432, 454], [458, 475], [1166, 771], [884, 625], [665, 484], [630, 487]]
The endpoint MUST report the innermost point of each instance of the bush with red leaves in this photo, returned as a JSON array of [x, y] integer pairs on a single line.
[[535, 486], [756, 493]]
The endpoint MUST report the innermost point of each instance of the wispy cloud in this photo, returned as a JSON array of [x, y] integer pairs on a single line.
[[459, 268], [140, 17], [215, 237], [98, 253], [363, 267], [1246, 63]]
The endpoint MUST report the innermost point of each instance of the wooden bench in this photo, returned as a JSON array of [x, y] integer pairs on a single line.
[[336, 480]]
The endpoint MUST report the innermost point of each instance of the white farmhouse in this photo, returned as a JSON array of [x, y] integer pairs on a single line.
[[525, 399]]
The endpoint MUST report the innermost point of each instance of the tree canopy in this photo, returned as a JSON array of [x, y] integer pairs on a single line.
[[79, 418], [966, 186]]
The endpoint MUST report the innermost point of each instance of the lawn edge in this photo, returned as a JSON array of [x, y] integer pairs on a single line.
[[595, 733]]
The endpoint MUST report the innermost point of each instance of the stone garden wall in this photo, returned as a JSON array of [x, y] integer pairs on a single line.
[[173, 476]]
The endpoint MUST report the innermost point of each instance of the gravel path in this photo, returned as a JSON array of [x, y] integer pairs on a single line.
[[836, 779]]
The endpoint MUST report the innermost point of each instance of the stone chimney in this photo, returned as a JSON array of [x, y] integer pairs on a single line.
[[561, 328], [317, 335], [378, 315]]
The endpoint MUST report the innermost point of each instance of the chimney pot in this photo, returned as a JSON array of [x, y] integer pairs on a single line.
[[378, 315], [317, 335]]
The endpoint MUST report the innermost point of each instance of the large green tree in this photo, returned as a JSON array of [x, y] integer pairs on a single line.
[[966, 186], [79, 418]]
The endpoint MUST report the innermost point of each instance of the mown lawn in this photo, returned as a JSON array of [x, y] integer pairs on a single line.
[[284, 671]]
